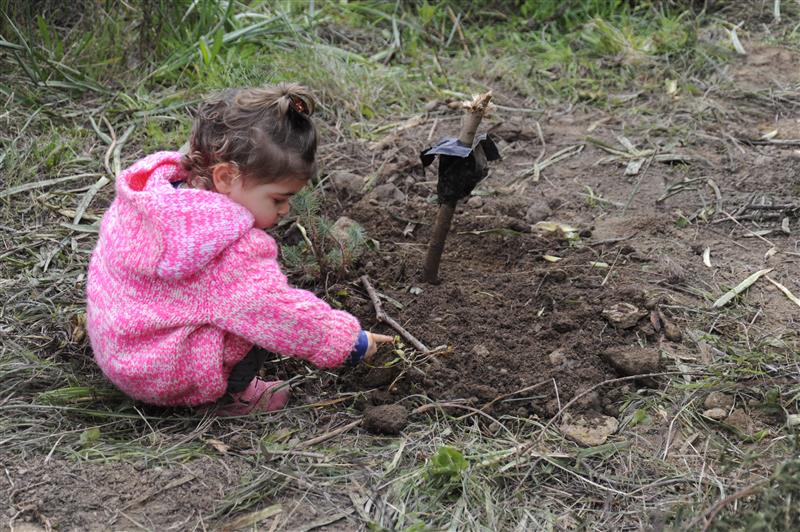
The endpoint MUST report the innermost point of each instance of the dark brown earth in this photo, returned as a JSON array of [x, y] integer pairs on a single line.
[[524, 335]]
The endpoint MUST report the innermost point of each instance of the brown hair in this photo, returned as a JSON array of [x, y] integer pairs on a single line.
[[267, 132]]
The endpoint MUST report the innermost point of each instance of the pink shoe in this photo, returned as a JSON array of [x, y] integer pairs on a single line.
[[259, 396]]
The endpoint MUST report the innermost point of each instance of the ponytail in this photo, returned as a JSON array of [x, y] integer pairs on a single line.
[[266, 131]]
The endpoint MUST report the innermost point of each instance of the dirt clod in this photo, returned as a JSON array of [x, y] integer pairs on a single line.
[[388, 193], [633, 360], [672, 332], [589, 431], [537, 212], [475, 202], [717, 414], [740, 420], [386, 419], [346, 183], [718, 400], [558, 357]]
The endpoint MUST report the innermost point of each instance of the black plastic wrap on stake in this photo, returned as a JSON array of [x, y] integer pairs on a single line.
[[461, 168]]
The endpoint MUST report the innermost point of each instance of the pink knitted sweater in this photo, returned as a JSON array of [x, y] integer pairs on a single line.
[[181, 285]]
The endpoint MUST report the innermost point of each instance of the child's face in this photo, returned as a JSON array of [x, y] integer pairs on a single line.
[[268, 202]]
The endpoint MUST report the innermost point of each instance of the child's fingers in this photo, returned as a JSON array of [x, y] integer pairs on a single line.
[[382, 338]]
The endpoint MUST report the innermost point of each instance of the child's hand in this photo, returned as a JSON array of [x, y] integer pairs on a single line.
[[374, 340]]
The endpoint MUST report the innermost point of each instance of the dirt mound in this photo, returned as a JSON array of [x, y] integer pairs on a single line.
[[527, 334]]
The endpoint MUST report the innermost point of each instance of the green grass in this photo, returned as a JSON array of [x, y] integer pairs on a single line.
[[74, 81]]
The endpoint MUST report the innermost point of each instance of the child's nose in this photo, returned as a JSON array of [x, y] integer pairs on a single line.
[[284, 209]]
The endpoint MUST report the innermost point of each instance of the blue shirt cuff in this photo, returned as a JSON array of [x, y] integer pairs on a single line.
[[360, 349]]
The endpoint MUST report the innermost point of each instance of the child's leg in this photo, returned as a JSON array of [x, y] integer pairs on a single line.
[[246, 393], [246, 370]]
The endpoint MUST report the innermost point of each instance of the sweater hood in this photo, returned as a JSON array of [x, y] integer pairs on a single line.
[[177, 230]]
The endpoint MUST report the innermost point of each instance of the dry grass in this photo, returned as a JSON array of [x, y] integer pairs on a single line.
[[68, 125]]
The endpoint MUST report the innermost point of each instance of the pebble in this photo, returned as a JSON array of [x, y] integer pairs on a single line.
[[589, 432], [633, 360], [717, 414], [557, 357], [475, 202], [672, 332], [481, 351]]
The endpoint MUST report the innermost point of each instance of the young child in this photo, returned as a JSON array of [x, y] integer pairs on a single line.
[[184, 281]]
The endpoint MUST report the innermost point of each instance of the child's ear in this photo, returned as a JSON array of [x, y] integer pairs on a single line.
[[224, 175]]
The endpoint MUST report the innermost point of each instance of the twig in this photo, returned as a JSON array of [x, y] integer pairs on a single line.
[[785, 290], [110, 150], [734, 220], [611, 269], [328, 435], [611, 240], [639, 181], [717, 508], [381, 315], [516, 392], [86, 200], [325, 520], [147, 496]]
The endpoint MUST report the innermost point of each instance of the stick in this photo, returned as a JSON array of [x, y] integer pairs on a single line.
[[328, 435], [611, 240], [744, 492], [475, 111], [381, 315], [444, 217]]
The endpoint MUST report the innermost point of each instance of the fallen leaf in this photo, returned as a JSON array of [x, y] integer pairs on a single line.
[[737, 44], [570, 233], [786, 291], [672, 87], [770, 252], [634, 166], [741, 287], [770, 135], [218, 445], [253, 518]]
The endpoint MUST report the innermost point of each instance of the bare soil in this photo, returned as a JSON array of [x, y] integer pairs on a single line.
[[525, 335]]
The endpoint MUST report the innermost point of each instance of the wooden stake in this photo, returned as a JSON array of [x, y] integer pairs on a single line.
[[474, 113]]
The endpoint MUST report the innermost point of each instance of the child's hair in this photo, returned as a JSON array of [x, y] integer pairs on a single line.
[[267, 132]]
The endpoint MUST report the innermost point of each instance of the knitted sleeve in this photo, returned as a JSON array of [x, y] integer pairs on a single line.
[[250, 297]]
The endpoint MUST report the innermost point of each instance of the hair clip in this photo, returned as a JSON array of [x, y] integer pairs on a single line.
[[299, 104]]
